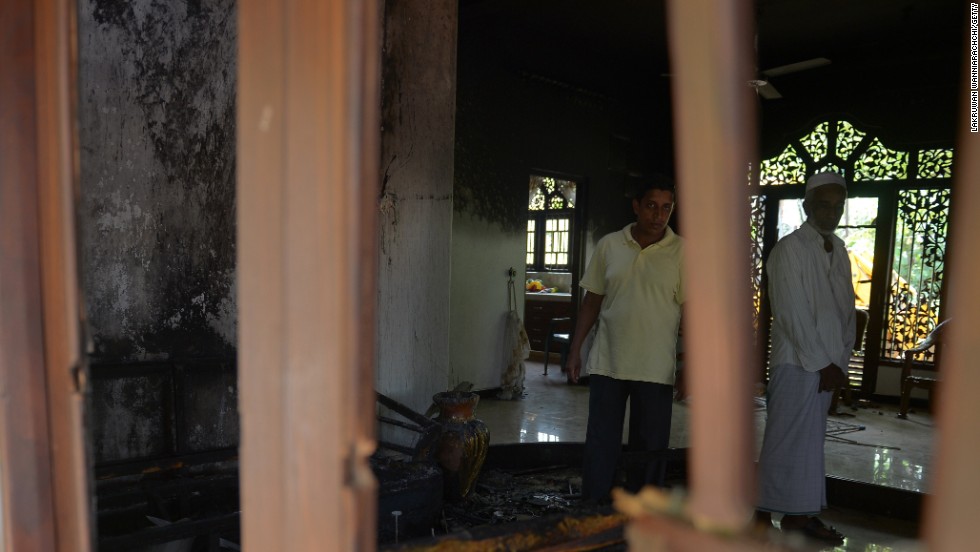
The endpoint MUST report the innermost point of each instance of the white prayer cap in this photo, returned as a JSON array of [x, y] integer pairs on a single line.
[[826, 177]]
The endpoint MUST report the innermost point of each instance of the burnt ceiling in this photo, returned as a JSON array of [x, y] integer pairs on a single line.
[[894, 64]]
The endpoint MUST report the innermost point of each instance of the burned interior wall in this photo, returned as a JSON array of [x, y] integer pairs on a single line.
[[154, 410], [157, 212], [418, 106], [156, 222]]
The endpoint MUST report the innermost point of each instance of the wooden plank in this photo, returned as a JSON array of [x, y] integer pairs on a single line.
[[302, 188], [46, 482], [25, 448], [951, 511], [710, 47], [58, 191], [261, 100]]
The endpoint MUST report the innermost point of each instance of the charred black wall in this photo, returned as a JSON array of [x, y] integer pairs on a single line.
[[157, 214], [157, 224], [511, 120]]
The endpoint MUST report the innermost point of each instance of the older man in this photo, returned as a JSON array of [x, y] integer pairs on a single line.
[[812, 335]]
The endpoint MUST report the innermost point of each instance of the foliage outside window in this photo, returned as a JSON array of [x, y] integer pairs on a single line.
[[551, 208]]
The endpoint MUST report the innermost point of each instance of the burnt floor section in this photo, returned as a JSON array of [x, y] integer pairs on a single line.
[[528, 497]]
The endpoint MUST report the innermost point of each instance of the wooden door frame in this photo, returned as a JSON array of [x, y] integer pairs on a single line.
[[308, 170], [46, 481]]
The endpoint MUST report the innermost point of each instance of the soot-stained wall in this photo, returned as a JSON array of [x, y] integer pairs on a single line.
[[157, 209], [157, 224], [417, 106]]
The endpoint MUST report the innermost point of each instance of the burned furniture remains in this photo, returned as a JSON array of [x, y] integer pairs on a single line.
[[165, 448], [528, 497], [454, 442]]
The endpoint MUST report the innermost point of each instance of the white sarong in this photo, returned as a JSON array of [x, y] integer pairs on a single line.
[[791, 465]]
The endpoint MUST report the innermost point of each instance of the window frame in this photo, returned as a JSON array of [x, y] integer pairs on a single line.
[[540, 219]]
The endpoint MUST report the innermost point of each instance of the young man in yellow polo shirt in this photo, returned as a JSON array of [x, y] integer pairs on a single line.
[[634, 290]]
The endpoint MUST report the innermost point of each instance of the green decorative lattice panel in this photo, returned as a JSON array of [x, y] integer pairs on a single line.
[[881, 163], [757, 217], [864, 158], [536, 199], [935, 163], [785, 168], [816, 142], [848, 139], [831, 167], [547, 193]]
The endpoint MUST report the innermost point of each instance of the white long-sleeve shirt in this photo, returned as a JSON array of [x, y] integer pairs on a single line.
[[812, 300]]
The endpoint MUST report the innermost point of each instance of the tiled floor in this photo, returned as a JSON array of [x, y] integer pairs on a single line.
[[868, 444]]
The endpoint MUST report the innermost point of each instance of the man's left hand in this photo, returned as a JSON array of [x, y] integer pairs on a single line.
[[832, 377]]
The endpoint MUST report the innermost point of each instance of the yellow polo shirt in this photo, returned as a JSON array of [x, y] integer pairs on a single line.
[[641, 308]]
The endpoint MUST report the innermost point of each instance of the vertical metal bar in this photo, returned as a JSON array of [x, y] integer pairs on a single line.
[[714, 118], [880, 280], [894, 347], [921, 311]]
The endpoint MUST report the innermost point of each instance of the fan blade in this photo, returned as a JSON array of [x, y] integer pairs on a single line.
[[796, 67], [767, 91]]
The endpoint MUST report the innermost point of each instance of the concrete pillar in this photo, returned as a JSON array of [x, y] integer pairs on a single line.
[[416, 202]]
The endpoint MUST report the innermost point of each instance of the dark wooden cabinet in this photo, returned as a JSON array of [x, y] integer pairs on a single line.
[[537, 316]]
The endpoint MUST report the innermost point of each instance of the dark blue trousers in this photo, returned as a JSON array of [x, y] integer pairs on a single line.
[[650, 410]]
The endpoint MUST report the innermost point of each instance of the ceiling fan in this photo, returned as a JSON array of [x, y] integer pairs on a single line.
[[765, 88]]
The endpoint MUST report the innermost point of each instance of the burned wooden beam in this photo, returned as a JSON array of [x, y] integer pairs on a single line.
[[399, 423], [174, 531], [561, 532], [598, 541], [427, 428], [405, 411], [165, 464], [397, 448]]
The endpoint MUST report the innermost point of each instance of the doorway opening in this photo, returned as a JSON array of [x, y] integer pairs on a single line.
[[552, 256]]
